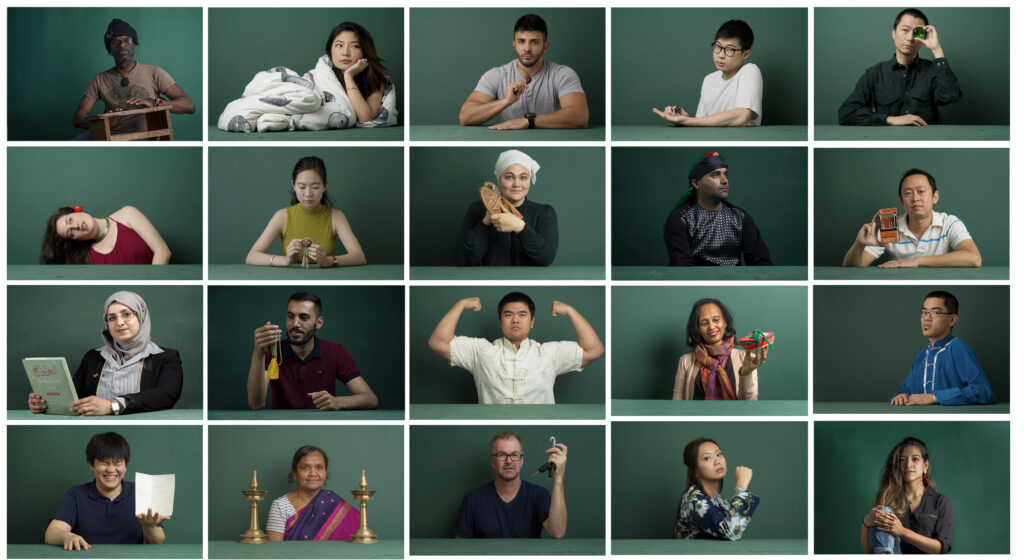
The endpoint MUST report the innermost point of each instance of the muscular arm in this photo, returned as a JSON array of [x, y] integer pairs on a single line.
[[441, 339], [136, 220], [81, 116], [586, 337], [479, 108], [574, 113], [179, 101]]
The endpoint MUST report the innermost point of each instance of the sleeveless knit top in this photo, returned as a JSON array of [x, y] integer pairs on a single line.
[[128, 249], [315, 224]]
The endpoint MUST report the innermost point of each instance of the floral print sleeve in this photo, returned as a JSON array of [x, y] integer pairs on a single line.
[[702, 517]]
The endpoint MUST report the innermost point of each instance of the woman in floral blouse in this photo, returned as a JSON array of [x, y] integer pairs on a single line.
[[703, 512]]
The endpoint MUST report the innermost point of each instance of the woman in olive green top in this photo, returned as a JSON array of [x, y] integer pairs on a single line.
[[307, 228]]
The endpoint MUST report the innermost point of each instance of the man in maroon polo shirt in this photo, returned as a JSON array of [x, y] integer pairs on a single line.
[[308, 365]]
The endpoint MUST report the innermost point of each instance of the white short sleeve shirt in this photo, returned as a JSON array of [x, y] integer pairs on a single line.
[[504, 375], [945, 233], [742, 90]]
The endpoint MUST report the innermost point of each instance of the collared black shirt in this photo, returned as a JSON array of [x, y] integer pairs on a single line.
[[891, 89], [933, 518], [698, 237]]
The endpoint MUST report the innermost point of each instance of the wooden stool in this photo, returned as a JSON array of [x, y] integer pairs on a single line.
[[158, 121]]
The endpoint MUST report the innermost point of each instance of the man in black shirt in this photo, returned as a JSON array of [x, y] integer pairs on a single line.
[[705, 230], [905, 90]]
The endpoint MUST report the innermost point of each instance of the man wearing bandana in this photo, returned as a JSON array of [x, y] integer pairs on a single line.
[[129, 84], [705, 229]]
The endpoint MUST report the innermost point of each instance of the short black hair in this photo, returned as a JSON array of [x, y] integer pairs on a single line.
[[736, 29], [531, 22], [516, 297], [952, 304], [105, 446], [914, 12], [693, 337], [916, 171], [302, 452], [308, 296]]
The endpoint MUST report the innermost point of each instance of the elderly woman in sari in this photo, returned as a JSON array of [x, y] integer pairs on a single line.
[[310, 513]]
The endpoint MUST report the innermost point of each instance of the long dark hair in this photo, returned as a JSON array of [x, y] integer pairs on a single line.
[[693, 337], [316, 164], [892, 489], [375, 77], [690, 460], [61, 250]]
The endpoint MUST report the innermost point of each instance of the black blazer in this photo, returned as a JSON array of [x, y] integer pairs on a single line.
[[159, 386]]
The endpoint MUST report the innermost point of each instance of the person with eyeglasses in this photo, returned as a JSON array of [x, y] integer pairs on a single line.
[[731, 95], [924, 237], [129, 373], [129, 85], [509, 507], [946, 372], [905, 90]]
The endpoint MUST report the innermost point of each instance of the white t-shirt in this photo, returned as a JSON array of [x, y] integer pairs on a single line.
[[941, 237], [742, 90], [504, 375]]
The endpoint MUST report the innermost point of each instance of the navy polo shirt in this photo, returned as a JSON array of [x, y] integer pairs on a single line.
[[98, 519], [328, 361], [485, 515]]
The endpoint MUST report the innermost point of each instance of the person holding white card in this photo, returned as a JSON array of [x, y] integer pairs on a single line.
[[102, 511]]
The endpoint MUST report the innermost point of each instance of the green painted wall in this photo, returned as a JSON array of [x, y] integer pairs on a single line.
[[55, 52], [647, 480], [970, 462], [247, 185], [661, 56], [570, 179], [367, 320], [437, 487], [769, 183], [854, 39], [249, 40], [432, 380], [854, 311], [235, 451], [852, 184], [176, 313], [56, 462], [472, 41], [649, 330], [165, 184]]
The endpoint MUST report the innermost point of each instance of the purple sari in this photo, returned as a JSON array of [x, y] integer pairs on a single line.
[[326, 518]]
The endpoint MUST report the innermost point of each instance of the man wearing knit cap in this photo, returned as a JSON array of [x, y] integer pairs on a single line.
[[705, 229], [129, 84]]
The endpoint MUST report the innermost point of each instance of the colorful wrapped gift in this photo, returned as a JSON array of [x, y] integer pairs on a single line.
[[757, 339]]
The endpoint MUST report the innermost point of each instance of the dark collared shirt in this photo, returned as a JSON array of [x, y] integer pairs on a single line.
[[695, 236], [98, 519], [328, 361], [891, 89], [933, 518]]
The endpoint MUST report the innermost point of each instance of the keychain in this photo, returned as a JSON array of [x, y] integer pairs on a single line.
[[273, 372], [548, 467]]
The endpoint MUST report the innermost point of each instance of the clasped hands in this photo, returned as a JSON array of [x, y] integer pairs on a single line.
[[314, 252], [504, 222]]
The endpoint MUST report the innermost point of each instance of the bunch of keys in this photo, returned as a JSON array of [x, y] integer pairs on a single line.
[[548, 467], [305, 252]]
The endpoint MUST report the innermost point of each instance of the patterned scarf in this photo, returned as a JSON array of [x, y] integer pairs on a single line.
[[714, 378]]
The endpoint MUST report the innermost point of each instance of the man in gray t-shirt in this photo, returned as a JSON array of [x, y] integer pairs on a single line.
[[528, 92]]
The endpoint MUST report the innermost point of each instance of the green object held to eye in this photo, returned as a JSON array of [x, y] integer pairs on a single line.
[[920, 33]]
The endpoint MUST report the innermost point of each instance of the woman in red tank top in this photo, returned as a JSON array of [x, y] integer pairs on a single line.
[[124, 237]]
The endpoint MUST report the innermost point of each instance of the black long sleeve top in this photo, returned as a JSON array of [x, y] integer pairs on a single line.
[[159, 385], [889, 89], [536, 245], [698, 237]]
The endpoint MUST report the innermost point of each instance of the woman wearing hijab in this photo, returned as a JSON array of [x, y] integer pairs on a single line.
[[502, 238], [129, 373]]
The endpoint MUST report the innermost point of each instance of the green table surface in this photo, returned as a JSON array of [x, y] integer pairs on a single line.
[[701, 546], [709, 273], [506, 547], [305, 549], [314, 273], [454, 132], [921, 133], [664, 132], [506, 272], [275, 415], [172, 414], [506, 411], [107, 551], [387, 134], [821, 407], [643, 407], [76, 273], [875, 273]]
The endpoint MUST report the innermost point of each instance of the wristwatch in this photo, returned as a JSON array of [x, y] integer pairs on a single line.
[[115, 407], [335, 259], [530, 117]]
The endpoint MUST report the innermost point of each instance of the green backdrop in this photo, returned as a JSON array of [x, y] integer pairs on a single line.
[[970, 462], [364, 183], [368, 321], [166, 185], [649, 331], [432, 380], [570, 179], [769, 183], [662, 55], [235, 451], [879, 364], [176, 313], [647, 480], [469, 42], [437, 487], [249, 40], [58, 462], [852, 184], [55, 52], [854, 39]]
